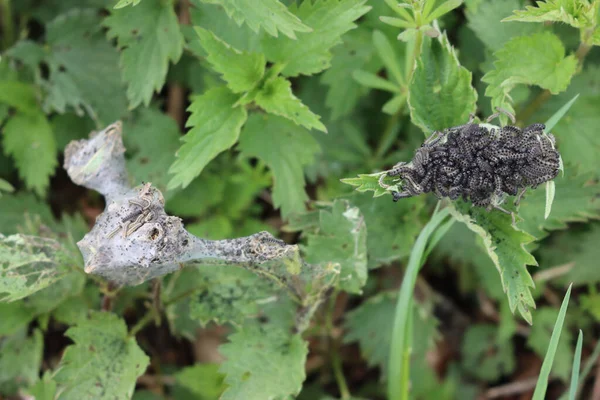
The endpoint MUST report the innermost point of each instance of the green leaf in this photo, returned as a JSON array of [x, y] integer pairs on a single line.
[[542, 383], [203, 380], [29, 264], [576, 201], [355, 53], [104, 362], [20, 361], [484, 355], [532, 60], [505, 246], [270, 15], [286, 148], [443, 9], [388, 55], [263, 363], [276, 97], [486, 22], [392, 227], [576, 13], [84, 72], [575, 368], [44, 389], [19, 95], [557, 116], [6, 187], [373, 81], [29, 140], [125, 3], [550, 192], [440, 92], [149, 37], [216, 125], [153, 138], [310, 53], [370, 182], [242, 71], [342, 239]]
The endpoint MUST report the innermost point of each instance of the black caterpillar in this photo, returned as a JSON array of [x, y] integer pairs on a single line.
[[480, 165]]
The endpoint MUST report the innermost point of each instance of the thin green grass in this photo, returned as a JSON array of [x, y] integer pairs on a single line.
[[575, 370], [542, 383], [399, 366]]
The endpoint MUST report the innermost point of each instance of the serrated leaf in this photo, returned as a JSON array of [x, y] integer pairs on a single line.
[[19, 95], [356, 52], [539, 340], [341, 238], [241, 70], [531, 60], [93, 86], [486, 22], [216, 125], [104, 362], [203, 380], [369, 183], [29, 140], [440, 93], [276, 97], [484, 355], [269, 15], [286, 148], [391, 227], [505, 246], [153, 138], [20, 361], [263, 363], [149, 37], [29, 264], [576, 201], [310, 52], [577, 13], [44, 389]]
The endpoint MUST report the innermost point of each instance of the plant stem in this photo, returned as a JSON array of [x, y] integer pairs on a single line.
[[7, 25], [336, 362]]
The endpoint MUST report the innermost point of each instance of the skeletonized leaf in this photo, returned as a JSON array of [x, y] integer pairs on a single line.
[[310, 52], [104, 362], [270, 15], [286, 148], [440, 92], [216, 125], [149, 37], [505, 246]]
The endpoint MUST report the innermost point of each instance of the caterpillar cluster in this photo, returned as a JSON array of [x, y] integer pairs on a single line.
[[480, 165]]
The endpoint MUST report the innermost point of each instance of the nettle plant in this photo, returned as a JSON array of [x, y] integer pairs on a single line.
[[101, 296]]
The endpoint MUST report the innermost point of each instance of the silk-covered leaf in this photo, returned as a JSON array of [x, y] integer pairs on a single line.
[[505, 246], [310, 53], [216, 125], [577, 13], [392, 227], [440, 92], [485, 21], [29, 264], [263, 364], [537, 59], [104, 362], [341, 238], [269, 15], [286, 148], [577, 199], [485, 356], [153, 138], [355, 53], [93, 86], [241, 70], [20, 361], [29, 140], [149, 38], [276, 97], [539, 340]]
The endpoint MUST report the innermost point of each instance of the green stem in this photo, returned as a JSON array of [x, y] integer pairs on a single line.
[[336, 362], [388, 134], [7, 25]]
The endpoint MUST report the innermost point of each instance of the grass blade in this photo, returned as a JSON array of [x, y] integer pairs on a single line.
[[398, 375], [542, 383], [553, 120], [575, 371]]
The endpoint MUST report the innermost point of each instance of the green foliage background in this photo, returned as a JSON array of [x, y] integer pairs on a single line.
[[246, 114]]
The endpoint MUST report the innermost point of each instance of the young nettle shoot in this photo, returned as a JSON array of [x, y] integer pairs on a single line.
[[481, 163]]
